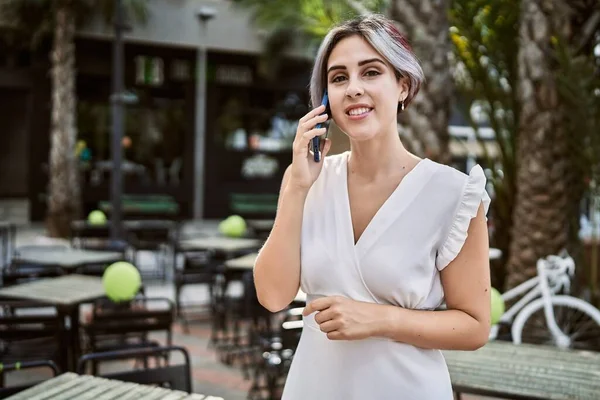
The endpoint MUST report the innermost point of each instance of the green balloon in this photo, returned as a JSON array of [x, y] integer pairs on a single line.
[[121, 281], [497, 306], [233, 226], [97, 217]]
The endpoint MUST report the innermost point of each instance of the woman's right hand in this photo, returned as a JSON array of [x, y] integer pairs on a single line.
[[305, 170]]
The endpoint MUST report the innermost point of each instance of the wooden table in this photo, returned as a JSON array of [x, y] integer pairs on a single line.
[[70, 386], [68, 259], [66, 293], [245, 262], [502, 369], [221, 244]]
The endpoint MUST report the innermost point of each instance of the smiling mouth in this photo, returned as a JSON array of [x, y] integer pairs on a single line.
[[356, 112]]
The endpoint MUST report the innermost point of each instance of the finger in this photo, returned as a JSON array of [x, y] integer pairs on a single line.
[[302, 143], [330, 326], [310, 124], [335, 335], [324, 316], [312, 113], [317, 305]]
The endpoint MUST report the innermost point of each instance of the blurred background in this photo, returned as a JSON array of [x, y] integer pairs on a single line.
[[182, 113]]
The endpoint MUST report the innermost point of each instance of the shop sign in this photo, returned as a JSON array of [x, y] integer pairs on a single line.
[[234, 74], [260, 166], [149, 71]]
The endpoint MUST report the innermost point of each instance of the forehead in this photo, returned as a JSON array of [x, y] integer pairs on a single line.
[[349, 51]]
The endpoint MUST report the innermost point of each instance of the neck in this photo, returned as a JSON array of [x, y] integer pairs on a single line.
[[380, 157]]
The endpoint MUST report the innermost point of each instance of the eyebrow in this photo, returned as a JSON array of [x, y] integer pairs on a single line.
[[360, 64]]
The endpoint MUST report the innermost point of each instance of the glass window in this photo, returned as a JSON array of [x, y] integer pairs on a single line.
[[153, 141]]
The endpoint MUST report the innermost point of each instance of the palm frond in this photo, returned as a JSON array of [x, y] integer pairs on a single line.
[[33, 20], [305, 22]]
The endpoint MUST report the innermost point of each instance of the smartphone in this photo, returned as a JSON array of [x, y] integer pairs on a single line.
[[316, 141]]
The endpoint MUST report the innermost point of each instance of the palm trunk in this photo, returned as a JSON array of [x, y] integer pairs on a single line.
[[64, 192], [424, 124], [541, 216]]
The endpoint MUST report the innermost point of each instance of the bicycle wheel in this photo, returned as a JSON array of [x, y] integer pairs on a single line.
[[579, 320]]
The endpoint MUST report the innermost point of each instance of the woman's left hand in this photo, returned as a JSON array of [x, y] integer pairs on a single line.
[[345, 319]]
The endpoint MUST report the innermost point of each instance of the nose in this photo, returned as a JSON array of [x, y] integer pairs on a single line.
[[354, 88]]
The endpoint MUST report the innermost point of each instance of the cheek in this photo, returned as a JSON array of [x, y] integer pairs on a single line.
[[387, 106], [336, 108]]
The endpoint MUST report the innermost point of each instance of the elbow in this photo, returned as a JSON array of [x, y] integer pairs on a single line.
[[271, 294], [272, 303], [480, 337], [269, 298]]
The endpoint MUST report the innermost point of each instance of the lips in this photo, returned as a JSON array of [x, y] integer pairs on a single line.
[[357, 110]]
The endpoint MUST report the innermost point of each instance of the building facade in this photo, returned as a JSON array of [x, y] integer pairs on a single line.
[[207, 126]]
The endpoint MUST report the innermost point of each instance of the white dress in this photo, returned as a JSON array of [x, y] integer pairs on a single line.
[[417, 232]]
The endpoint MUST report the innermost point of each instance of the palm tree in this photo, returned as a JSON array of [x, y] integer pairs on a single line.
[[300, 24], [550, 172], [484, 35], [37, 19], [425, 122]]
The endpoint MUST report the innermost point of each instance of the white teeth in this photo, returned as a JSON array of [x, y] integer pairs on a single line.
[[359, 111]]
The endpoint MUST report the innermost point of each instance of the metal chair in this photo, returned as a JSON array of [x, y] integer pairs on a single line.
[[175, 377], [116, 326], [274, 357], [21, 366], [31, 331], [153, 236]]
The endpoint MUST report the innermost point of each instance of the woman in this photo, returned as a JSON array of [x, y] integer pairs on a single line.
[[377, 238]]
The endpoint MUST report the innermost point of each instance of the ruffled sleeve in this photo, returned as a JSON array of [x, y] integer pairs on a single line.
[[473, 194]]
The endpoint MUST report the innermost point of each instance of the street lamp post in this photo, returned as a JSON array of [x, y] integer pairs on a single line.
[[117, 103], [204, 14]]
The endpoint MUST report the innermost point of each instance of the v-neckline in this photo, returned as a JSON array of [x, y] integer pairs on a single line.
[[381, 210]]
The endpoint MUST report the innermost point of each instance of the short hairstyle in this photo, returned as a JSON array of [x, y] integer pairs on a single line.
[[382, 34]]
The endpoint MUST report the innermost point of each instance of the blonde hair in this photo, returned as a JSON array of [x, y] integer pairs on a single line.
[[382, 34]]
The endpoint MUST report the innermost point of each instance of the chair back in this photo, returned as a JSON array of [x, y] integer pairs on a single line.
[[29, 331], [175, 377], [141, 315], [23, 366]]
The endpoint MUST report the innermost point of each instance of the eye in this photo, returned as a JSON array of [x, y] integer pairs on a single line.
[[338, 78], [372, 73]]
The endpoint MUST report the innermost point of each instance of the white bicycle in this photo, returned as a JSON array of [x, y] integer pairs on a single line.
[[543, 316]]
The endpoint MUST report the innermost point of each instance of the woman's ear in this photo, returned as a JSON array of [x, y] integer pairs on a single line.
[[403, 88]]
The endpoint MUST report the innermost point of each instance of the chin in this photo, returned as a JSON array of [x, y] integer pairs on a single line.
[[359, 134]]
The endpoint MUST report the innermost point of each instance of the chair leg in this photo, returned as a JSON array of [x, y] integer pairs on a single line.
[[177, 300]]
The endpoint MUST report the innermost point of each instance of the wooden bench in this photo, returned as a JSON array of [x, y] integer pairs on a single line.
[[504, 370]]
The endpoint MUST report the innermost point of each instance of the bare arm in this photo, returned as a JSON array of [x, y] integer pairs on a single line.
[[277, 267]]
